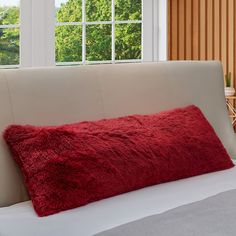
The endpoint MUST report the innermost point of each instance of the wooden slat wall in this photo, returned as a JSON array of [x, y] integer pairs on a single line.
[[203, 30]]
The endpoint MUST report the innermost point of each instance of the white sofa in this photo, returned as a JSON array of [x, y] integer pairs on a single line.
[[52, 96]]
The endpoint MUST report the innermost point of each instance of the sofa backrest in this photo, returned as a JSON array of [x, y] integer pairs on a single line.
[[54, 96]]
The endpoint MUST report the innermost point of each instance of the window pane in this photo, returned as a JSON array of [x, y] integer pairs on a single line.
[[69, 43], [69, 10], [98, 42], [128, 9], [128, 41], [98, 10], [9, 46], [9, 12]]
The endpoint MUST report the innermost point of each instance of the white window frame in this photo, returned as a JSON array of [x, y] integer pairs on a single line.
[[37, 45], [10, 26], [112, 23], [37, 33]]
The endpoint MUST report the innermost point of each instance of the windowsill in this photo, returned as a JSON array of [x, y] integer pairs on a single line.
[[9, 66], [80, 63], [97, 62]]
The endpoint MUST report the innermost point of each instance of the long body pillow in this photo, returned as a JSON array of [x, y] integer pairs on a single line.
[[72, 165]]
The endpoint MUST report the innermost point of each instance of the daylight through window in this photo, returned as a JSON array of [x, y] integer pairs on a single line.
[[98, 31], [35, 33], [9, 32]]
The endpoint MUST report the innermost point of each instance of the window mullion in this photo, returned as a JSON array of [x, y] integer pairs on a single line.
[[49, 24], [113, 33], [9, 26], [147, 30], [161, 30], [84, 31], [38, 33], [43, 24], [26, 33]]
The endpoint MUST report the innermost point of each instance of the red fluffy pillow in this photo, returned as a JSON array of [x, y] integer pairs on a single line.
[[69, 166]]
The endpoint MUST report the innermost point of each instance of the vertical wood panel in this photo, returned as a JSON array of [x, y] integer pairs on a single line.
[[181, 33], [217, 29], [203, 30], [189, 29], [170, 30], [234, 44], [210, 30], [174, 33], [224, 42], [231, 46], [196, 18]]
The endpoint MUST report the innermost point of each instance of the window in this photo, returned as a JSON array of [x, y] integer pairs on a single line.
[[98, 30], [9, 32], [59, 32]]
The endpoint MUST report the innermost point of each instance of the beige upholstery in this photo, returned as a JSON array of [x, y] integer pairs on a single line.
[[53, 96]]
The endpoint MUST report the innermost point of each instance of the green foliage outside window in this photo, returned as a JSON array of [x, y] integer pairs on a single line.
[[9, 37], [98, 37], [69, 38]]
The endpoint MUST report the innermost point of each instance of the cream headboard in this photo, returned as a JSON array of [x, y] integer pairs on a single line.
[[52, 96]]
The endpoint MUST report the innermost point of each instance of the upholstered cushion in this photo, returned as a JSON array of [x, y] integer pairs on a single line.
[[72, 165]]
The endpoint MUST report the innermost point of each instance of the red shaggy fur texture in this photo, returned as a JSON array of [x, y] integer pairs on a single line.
[[72, 165]]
